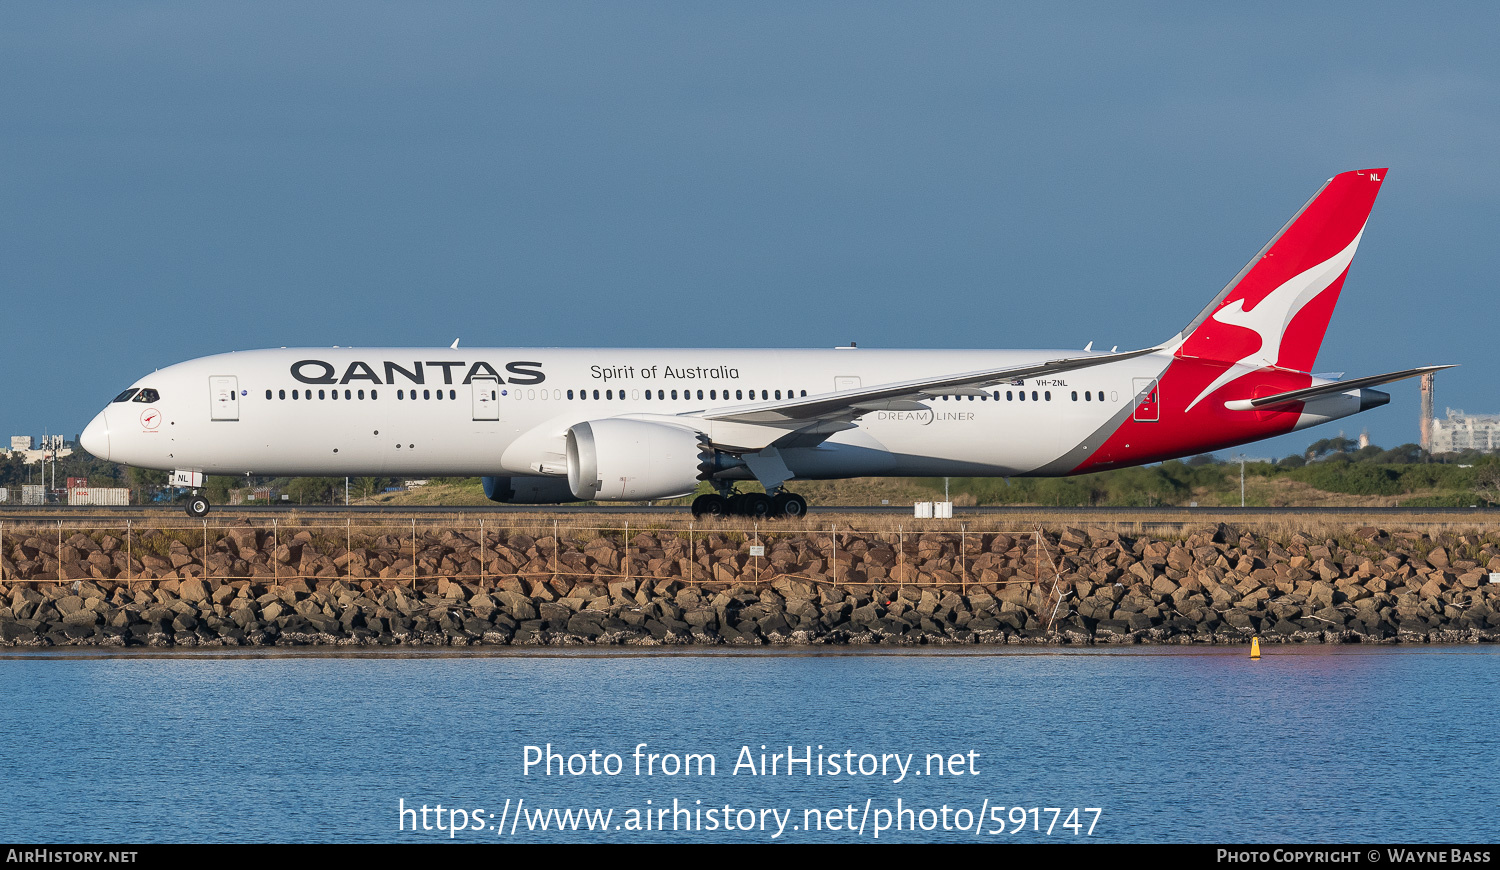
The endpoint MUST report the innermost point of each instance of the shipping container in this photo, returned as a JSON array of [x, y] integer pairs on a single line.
[[33, 494], [99, 495]]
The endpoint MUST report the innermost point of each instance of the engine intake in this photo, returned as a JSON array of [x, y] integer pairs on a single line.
[[634, 460]]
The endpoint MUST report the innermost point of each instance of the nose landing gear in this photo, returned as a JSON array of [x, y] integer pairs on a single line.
[[197, 506]]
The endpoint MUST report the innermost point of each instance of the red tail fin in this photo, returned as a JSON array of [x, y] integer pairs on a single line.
[[1275, 311]]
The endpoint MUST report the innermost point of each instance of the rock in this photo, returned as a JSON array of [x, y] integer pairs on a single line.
[[192, 590]]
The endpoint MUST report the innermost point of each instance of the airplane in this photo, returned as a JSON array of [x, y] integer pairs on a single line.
[[552, 425]]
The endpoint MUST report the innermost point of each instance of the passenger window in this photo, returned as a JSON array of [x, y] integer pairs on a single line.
[[361, 395], [804, 392], [294, 394], [713, 394], [320, 394], [700, 394], [661, 394], [268, 394], [427, 394], [764, 395], [452, 394], [283, 393], [125, 396], [609, 394], [1033, 395], [570, 394], [374, 396], [1075, 395], [1022, 394], [400, 394], [148, 396], [778, 394], [739, 394]]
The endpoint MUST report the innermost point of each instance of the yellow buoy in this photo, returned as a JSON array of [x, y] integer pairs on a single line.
[[1254, 647]]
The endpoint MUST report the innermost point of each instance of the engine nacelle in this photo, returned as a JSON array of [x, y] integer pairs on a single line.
[[527, 490], [633, 460]]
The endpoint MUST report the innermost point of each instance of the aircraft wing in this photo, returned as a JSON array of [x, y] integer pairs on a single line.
[[847, 405], [1334, 388]]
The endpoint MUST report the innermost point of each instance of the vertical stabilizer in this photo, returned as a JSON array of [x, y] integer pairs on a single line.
[[1276, 310]]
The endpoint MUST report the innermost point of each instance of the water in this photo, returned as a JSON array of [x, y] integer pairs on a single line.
[[1307, 744]]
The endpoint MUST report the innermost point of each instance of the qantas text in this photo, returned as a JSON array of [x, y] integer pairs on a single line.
[[316, 371]]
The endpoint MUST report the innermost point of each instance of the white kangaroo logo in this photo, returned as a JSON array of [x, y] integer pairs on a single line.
[[1270, 317]]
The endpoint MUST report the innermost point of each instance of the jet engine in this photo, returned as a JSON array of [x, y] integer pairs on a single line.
[[527, 490], [630, 460]]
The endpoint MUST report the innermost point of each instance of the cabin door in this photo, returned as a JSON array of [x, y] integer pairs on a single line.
[[486, 392], [224, 397], [1147, 400]]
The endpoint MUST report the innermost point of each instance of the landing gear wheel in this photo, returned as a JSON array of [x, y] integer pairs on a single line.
[[736, 504], [756, 505], [789, 505], [197, 506], [710, 505]]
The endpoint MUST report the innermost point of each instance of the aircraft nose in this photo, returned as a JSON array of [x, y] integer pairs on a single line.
[[95, 437]]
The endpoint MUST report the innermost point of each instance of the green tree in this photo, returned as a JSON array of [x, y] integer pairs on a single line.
[[313, 490], [216, 488]]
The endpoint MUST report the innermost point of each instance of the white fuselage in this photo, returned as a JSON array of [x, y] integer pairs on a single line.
[[389, 420]]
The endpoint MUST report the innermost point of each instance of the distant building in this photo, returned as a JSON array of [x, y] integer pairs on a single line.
[[52, 447], [1466, 432]]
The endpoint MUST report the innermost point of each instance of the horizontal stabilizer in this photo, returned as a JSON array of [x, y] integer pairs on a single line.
[[1335, 388]]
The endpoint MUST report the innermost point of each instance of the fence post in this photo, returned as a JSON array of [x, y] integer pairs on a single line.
[[128, 578], [349, 548], [275, 545], [900, 558], [2, 551], [556, 551], [414, 555], [833, 563], [688, 568], [205, 550], [963, 558], [627, 551]]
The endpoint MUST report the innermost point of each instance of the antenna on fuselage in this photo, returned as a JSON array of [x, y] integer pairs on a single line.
[[454, 345]]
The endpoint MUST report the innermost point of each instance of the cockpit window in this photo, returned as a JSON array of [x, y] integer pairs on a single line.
[[148, 396], [125, 396]]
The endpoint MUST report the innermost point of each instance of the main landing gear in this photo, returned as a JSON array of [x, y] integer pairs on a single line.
[[756, 505]]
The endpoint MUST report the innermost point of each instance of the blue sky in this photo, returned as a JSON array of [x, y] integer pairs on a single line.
[[182, 179]]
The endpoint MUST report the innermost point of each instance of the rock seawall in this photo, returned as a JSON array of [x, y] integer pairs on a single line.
[[246, 586]]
